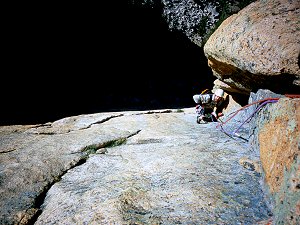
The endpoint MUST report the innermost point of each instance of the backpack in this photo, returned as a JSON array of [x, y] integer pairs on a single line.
[[207, 92]]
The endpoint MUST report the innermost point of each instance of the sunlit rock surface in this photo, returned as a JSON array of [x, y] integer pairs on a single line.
[[156, 167], [258, 48], [276, 132]]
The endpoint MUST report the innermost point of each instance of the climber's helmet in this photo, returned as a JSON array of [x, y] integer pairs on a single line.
[[219, 92]]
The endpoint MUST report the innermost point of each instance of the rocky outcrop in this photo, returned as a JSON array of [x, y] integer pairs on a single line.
[[276, 130], [256, 52], [258, 48]]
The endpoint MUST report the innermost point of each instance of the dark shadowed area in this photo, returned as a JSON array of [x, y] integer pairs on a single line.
[[69, 60]]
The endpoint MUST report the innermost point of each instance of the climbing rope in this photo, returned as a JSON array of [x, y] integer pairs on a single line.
[[234, 133], [292, 95], [246, 106], [256, 110], [261, 104]]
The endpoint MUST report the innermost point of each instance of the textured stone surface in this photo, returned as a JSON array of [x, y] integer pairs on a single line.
[[220, 84], [152, 167], [34, 157], [195, 19], [279, 149], [277, 132], [279, 141], [258, 47], [157, 167]]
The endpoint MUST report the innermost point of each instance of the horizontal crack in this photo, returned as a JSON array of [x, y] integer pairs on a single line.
[[101, 121], [6, 151], [52, 130], [107, 144], [155, 112]]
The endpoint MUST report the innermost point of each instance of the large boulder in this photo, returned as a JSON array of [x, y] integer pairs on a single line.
[[275, 132], [258, 48]]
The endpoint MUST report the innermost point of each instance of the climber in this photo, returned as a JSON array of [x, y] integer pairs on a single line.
[[209, 106]]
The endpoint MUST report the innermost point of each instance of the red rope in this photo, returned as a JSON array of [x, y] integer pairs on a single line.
[[292, 95], [236, 112]]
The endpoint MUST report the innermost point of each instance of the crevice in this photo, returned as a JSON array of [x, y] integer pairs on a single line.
[[91, 149], [42, 125], [48, 133], [48, 125], [155, 112], [7, 151], [39, 200], [53, 132], [101, 121]]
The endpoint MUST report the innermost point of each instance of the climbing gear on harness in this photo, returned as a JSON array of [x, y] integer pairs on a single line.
[[206, 103]]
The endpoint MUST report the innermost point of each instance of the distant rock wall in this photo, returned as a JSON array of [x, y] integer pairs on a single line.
[[196, 19]]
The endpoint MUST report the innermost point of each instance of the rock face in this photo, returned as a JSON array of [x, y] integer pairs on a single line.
[[161, 167], [156, 167], [196, 19], [256, 52], [258, 48], [277, 132]]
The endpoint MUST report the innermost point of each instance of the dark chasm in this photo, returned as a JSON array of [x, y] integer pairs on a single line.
[[68, 60]]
